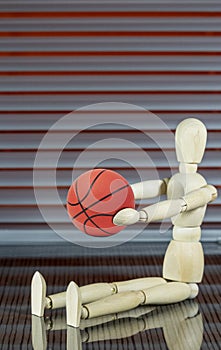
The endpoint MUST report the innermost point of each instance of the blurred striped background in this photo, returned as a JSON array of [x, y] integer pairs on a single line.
[[56, 56]]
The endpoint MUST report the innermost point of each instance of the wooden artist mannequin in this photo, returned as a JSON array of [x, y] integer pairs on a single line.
[[89, 293], [188, 195]]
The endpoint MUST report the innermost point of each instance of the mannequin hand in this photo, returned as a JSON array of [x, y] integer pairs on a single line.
[[127, 216]]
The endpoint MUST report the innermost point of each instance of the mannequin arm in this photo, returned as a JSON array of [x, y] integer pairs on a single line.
[[167, 208], [150, 188]]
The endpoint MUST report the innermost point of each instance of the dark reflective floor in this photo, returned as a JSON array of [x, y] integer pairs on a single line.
[[188, 325]]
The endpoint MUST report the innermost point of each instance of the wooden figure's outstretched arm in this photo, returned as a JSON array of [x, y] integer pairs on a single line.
[[150, 188], [167, 208]]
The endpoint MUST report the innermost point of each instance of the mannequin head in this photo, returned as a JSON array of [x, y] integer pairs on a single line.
[[190, 138]]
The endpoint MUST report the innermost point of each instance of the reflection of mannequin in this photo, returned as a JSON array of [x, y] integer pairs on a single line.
[[182, 327], [41, 325], [188, 334]]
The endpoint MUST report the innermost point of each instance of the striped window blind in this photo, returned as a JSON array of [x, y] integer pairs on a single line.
[[57, 56]]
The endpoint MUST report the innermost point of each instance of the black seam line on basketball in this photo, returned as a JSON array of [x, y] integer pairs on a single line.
[[99, 200], [91, 185], [108, 233], [84, 211], [85, 230]]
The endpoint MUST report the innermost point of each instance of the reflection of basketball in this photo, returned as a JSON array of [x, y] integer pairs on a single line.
[[95, 197]]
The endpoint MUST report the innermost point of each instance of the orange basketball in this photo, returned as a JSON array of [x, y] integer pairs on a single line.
[[95, 197]]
